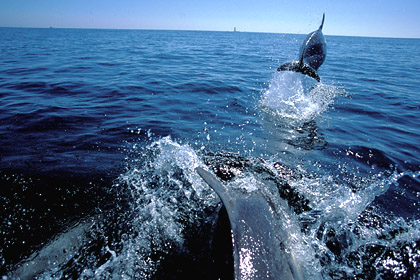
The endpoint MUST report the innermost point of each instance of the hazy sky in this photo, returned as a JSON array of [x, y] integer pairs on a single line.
[[385, 18]]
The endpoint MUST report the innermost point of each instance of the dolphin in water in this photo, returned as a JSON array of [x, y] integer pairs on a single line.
[[258, 250], [312, 54]]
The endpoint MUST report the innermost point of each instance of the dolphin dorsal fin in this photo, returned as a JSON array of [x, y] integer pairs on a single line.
[[217, 187], [257, 241], [322, 23]]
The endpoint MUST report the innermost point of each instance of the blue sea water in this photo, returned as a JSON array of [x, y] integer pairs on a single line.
[[101, 130]]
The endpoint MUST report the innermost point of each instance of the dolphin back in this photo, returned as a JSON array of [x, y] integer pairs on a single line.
[[258, 253]]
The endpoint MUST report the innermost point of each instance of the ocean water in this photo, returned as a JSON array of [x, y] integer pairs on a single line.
[[101, 132]]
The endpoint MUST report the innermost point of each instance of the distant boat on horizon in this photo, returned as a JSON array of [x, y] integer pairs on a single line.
[[234, 29]]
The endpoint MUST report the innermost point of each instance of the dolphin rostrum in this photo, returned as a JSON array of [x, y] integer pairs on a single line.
[[312, 54], [258, 251]]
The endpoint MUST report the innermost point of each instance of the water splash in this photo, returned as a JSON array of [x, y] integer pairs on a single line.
[[342, 233], [351, 233], [336, 199], [296, 97], [167, 197]]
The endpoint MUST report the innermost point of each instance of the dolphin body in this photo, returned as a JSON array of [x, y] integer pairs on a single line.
[[312, 54], [258, 253]]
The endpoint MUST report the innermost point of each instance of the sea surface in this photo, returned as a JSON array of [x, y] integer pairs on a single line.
[[101, 132]]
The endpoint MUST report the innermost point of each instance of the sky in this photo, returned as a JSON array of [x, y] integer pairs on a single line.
[[377, 18]]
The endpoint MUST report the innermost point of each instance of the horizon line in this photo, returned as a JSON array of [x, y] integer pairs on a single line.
[[205, 30]]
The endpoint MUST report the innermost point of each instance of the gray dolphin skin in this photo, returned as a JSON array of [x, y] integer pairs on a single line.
[[58, 251], [312, 54], [258, 252]]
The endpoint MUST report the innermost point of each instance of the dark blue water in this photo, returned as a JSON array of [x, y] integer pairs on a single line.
[[100, 132]]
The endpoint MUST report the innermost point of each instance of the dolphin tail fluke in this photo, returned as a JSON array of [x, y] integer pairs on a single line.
[[322, 23], [300, 67], [290, 66]]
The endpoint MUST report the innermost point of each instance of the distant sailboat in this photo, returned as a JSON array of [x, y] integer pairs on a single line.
[[234, 29]]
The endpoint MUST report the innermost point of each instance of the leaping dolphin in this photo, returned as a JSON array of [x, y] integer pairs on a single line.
[[312, 54], [258, 252]]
